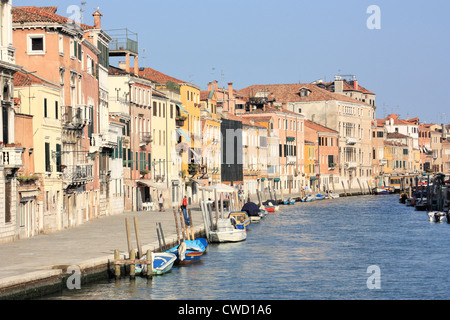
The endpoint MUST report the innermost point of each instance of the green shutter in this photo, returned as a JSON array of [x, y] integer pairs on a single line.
[[47, 157], [58, 158]]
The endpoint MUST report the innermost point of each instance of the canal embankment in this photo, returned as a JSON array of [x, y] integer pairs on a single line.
[[42, 265]]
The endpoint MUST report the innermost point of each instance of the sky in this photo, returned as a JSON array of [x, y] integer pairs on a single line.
[[401, 51]]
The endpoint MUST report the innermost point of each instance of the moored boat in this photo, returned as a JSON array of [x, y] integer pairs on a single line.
[[289, 202], [253, 211], [162, 263], [271, 204], [309, 199], [241, 218], [437, 216], [383, 190], [226, 232], [188, 251]]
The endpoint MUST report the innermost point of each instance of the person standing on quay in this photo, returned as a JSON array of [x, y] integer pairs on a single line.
[[161, 203]]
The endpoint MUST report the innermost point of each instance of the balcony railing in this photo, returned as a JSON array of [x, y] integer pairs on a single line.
[[351, 141], [123, 40], [11, 157], [145, 139], [351, 165], [7, 54], [291, 159], [78, 174], [78, 116]]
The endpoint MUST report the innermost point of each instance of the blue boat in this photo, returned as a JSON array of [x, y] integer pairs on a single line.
[[320, 197], [189, 251], [162, 263], [289, 202]]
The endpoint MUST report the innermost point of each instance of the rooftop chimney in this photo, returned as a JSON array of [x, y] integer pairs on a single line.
[[338, 84], [97, 19]]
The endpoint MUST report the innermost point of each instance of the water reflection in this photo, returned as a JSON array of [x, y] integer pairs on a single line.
[[318, 250]]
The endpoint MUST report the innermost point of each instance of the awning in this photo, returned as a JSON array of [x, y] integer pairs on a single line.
[[290, 139], [219, 188], [184, 134], [181, 107], [153, 185]]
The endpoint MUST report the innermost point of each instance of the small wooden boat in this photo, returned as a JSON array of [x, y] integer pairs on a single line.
[[308, 199], [421, 204], [189, 251], [271, 204], [320, 197], [334, 195], [241, 218], [253, 211], [162, 263], [289, 202], [383, 190]]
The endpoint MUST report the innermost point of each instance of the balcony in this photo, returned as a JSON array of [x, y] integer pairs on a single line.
[[351, 165], [351, 141], [383, 162], [78, 174], [123, 40], [145, 139], [291, 160], [78, 116], [11, 157], [179, 121], [7, 54]]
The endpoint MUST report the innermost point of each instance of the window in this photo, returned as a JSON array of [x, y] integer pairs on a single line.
[[61, 45], [58, 158], [45, 108], [56, 110], [47, 158], [36, 44]]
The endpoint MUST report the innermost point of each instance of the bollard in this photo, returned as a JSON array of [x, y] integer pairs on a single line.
[[132, 266], [117, 266], [150, 266]]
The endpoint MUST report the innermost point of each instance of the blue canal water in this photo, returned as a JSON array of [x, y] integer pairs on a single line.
[[312, 251]]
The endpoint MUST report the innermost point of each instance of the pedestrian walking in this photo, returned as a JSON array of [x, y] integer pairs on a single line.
[[161, 203]]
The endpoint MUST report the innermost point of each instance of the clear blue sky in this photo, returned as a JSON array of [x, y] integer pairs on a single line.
[[406, 62]]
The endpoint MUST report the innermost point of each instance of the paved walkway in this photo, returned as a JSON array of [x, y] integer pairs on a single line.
[[84, 245]]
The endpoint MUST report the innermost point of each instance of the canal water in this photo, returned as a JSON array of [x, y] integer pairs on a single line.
[[360, 248]]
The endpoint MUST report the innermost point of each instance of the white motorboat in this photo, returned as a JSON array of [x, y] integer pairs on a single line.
[[223, 230], [432, 216], [437, 216], [226, 232]]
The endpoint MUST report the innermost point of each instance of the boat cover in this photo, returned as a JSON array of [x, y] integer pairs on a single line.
[[270, 203], [252, 209]]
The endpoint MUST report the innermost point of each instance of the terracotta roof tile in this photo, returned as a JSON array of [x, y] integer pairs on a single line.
[[285, 93], [29, 14], [22, 79], [318, 127]]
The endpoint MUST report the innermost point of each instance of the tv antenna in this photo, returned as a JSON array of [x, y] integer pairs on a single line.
[[83, 3]]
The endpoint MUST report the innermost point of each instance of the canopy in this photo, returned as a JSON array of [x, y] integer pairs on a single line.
[[184, 134], [252, 209], [154, 185], [219, 188]]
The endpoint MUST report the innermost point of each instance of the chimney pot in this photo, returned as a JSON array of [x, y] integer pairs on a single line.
[[97, 19]]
